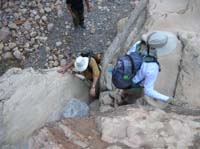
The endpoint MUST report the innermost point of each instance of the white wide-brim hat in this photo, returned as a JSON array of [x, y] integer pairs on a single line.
[[164, 42], [81, 63]]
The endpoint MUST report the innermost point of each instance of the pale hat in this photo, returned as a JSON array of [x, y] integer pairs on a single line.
[[81, 63], [163, 42]]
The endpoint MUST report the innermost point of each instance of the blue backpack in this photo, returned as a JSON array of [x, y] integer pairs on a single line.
[[126, 68]]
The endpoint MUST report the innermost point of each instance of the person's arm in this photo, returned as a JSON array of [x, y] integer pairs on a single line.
[[94, 82], [87, 5], [65, 68], [96, 74], [152, 71]]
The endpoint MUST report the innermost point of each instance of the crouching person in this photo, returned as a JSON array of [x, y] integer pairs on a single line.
[[87, 67], [139, 68]]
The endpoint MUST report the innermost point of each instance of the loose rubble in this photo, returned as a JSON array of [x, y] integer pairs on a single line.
[[31, 26]]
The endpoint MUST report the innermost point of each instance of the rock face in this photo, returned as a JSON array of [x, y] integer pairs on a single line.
[[180, 16], [31, 98], [180, 73], [189, 77], [127, 127], [67, 134], [140, 128]]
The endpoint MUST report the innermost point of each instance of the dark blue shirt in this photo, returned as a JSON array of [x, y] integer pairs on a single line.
[[75, 4]]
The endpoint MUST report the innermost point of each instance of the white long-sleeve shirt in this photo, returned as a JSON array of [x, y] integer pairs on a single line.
[[148, 73]]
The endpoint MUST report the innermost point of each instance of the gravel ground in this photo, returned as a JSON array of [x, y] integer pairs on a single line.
[[63, 40]]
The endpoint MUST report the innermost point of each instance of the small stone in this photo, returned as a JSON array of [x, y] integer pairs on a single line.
[[58, 52], [43, 39], [33, 34], [63, 62], [44, 18], [67, 27], [14, 34], [27, 45], [108, 43], [28, 50], [42, 28], [12, 26], [50, 26], [32, 41], [54, 50], [4, 33], [55, 57], [27, 25], [16, 48], [18, 55], [50, 57], [34, 12], [24, 11], [12, 45], [93, 30], [21, 50], [59, 43], [5, 49], [42, 11], [47, 9], [60, 56], [55, 64], [51, 64], [7, 56], [1, 46], [36, 46], [47, 49], [37, 17]]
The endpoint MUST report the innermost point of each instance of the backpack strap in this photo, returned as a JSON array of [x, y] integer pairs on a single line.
[[132, 66], [151, 59]]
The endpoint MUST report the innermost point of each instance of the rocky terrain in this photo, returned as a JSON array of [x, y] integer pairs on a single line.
[[126, 128], [40, 33], [33, 103]]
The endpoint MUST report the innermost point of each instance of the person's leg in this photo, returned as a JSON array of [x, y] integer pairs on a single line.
[[81, 18], [76, 18], [131, 95]]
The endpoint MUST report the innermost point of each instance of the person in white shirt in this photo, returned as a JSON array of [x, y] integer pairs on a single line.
[[160, 43]]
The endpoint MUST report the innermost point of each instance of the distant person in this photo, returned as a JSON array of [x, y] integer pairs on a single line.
[[88, 67], [76, 9], [139, 69]]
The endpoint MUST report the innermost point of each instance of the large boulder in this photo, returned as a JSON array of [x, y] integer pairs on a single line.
[[142, 128], [126, 127], [189, 77], [31, 98]]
